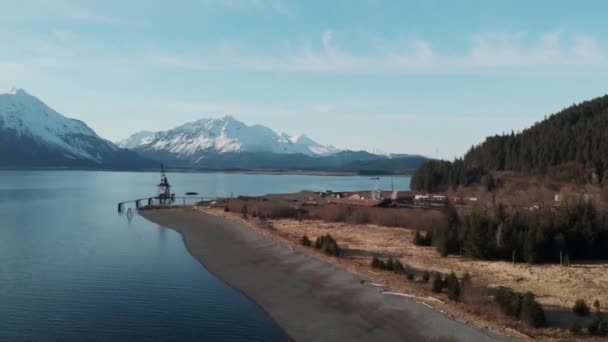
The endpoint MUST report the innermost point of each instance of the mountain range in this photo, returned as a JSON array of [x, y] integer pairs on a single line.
[[34, 135], [192, 142], [226, 143]]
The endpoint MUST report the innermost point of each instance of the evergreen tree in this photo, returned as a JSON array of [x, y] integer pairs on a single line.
[[426, 276], [305, 241], [531, 312], [581, 308], [446, 237], [390, 264], [453, 287], [437, 283], [572, 143]]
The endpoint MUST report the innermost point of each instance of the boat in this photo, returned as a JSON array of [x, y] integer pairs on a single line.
[[375, 178], [190, 193]]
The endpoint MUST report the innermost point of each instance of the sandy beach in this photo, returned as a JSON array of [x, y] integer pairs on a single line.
[[309, 298]]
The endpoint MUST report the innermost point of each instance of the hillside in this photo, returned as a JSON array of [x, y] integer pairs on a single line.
[[395, 165], [345, 161], [571, 145], [34, 135], [229, 144]]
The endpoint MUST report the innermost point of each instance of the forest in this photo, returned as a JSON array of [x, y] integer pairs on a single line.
[[571, 143], [558, 236]]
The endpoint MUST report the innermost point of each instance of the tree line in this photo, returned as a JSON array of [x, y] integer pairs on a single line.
[[574, 137], [569, 233]]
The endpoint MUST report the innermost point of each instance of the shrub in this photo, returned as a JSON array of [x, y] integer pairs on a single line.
[[523, 307], [437, 283], [418, 239], [328, 245], [531, 312], [426, 276], [390, 264], [244, 212], [409, 276], [598, 325], [581, 308], [595, 326], [575, 328], [453, 287], [397, 266], [466, 281], [596, 305], [305, 241], [510, 302], [603, 329], [226, 208], [423, 240]]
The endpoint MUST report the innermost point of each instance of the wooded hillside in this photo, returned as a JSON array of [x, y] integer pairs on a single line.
[[572, 143]]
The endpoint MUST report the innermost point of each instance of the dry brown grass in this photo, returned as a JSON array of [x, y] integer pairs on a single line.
[[366, 232], [554, 285], [263, 209], [422, 219]]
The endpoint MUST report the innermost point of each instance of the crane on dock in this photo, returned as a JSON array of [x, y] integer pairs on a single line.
[[164, 194]]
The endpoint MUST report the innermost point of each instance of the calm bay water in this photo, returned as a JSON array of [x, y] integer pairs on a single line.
[[71, 268]]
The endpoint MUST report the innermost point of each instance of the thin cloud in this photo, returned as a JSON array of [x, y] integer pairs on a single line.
[[278, 6], [82, 14], [490, 50]]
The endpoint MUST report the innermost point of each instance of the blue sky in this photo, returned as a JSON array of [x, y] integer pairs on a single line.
[[429, 77]]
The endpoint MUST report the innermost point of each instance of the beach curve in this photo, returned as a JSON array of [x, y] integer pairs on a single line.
[[310, 299]]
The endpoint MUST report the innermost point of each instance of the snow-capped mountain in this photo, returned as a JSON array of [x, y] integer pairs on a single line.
[[193, 140], [312, 146], [33, 134], [137, 139]]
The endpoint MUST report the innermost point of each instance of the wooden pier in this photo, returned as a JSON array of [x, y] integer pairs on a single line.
[[175, 201]]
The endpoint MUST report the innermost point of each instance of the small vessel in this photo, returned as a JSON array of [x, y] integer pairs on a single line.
[[191, 193], [375, 178]]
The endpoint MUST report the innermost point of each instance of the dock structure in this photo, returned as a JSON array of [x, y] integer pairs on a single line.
[[164, 193], [164, 196], [150, 201]]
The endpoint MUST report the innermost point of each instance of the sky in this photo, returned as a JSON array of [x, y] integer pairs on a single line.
[[427, 77]]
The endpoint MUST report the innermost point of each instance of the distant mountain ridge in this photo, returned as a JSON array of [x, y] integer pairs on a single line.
[[34, 135], [226, 143], [195, 140]]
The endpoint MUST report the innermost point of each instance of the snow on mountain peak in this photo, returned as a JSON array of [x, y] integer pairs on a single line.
[[14, 91], [223, 135], [376, 151], [301, 139], [137, 139], [27, 116]]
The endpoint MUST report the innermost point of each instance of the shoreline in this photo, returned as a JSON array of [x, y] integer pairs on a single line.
[[310, 299], [194, 170]]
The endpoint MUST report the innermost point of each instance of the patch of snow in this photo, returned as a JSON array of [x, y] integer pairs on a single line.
[[137, 139], [29, 117], [224, 135], [376, 151]]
